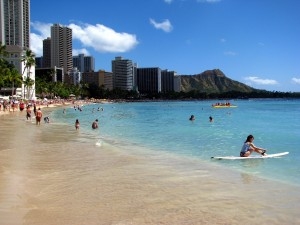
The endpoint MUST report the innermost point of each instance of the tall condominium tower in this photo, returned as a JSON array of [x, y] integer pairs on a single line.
[[14, 33], [15, 22], [61, 47], [123, 73]]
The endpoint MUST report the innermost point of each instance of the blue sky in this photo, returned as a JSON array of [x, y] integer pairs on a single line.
[[256, 42]]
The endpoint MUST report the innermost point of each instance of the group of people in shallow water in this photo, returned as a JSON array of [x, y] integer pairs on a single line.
[[247, 149], [94, 124], [37, 113], [77, 123], [38, 116]]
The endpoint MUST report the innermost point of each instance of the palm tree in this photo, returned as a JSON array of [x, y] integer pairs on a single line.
[[52, 74], [13, 77], [3, 52], [29, 61], [28, 83], [84, 88]]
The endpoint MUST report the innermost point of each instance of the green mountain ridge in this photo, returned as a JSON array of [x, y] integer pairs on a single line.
[[212, 81]]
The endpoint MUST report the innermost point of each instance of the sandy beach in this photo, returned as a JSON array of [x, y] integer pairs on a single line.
[[49, 177]]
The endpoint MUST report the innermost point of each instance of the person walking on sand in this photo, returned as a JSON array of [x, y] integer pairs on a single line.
[[249, 147], [28, 113], [38, 116], [77, 124]]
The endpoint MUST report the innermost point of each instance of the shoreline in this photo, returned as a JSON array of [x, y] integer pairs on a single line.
[[54, 179]]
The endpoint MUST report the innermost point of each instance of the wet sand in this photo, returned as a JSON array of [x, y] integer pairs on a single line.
[[49, 174]]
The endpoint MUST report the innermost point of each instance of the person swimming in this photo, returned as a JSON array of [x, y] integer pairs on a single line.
[[95, 124], [192, 117], [47, 119]]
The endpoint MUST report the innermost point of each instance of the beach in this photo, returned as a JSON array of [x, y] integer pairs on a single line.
[[49, 177]]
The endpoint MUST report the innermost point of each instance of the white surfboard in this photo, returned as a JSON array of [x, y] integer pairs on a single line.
[[252, 156]]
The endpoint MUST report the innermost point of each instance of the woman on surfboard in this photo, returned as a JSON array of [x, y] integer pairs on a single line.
[[249, 147]]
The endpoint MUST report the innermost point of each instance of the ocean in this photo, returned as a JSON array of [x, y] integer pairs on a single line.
[[164, 127]]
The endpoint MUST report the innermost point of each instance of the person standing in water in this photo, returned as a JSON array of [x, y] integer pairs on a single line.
[[77, 124], [38, 116], [249, 147], [28, 112]]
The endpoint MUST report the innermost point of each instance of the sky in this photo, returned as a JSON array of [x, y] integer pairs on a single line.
[[256, 42]]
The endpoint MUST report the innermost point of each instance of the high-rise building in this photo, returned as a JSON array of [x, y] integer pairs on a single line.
[[15, 22], [149, 80], [123, 73], [167, 81], [47, 52], [61, 47], [14, 33], [84, 63], [39, 62]]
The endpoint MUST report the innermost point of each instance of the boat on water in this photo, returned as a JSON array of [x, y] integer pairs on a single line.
[[224, 105]]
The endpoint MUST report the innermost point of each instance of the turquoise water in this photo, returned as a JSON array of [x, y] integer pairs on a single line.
[[164, 127]]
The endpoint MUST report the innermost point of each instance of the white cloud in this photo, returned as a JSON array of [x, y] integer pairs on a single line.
[[102, 38], [296, 80], [168, 1], [36, 44], [165, 25], [36, 39], [97, 37], [260, 81], [42, 28]]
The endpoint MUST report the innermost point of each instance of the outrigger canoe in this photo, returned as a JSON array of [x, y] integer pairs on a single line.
[[224, 106]]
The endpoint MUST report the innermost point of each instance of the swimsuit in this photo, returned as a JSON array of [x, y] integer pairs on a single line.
[[245, 149]]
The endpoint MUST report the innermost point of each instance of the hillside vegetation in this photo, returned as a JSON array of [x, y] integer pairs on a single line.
[[212, 81]]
